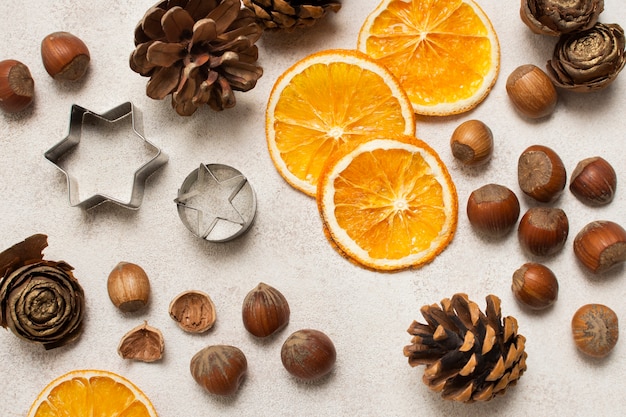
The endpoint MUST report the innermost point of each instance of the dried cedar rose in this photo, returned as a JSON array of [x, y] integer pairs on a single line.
[[589, 60], [557, 17], [199, 51], [40, 301]]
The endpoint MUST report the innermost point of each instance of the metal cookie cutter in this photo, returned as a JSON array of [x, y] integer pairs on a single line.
[[77, 119], [216, 202]]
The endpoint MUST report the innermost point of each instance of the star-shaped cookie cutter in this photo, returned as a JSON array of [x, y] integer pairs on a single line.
[[72, 140], [216, 203]]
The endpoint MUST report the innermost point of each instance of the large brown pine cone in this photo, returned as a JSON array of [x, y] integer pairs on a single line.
[[290, 14], [198, 51], [469, 355]]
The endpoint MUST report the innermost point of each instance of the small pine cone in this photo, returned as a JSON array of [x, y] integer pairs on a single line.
[[469, 356], [290, 14], [198, 51]]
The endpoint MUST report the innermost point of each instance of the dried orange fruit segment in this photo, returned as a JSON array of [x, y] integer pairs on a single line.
[[389, 204], [327, 102], [445, 53], [99, 393]]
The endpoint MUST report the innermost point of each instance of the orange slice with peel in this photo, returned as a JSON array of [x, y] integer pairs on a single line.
[[84, 393], [445, 53], [389, 204], [330, 102]]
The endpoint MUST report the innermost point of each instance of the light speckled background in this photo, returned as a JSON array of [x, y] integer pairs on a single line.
[[365, 313]]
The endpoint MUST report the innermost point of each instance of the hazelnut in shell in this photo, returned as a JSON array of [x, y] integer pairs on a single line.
[[65, 56], [308, 354], [493, 210], [594, 181], [531, 91], [17, 87], [542, 231], [601, 245], [219, 369], [265, 311], [541, 173], [129, 287], [595, 330], [143, 343], [472, 143], [535, 286], [194, 311]]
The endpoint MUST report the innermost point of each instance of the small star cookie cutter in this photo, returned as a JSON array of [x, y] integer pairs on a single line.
[[72, 140], [216, 203]]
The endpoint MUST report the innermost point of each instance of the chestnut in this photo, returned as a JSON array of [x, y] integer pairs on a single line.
[[593, 181], [541, 173], [64, 56], [308, 354], [601, 245], [542, 231], [493, 210], [17, 87], [535, 286]]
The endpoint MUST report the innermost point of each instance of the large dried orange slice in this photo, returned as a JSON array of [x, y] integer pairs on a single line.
[[388, 204], [84, 393], [327, 102], [445, 53]]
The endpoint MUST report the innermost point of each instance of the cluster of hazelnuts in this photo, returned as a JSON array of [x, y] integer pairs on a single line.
[[307, 354], [64, 56], [494, 210]]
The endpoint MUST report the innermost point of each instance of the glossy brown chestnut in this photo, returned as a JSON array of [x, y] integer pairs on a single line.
[[308, 354], [472, 143], [16, 86], [542, 231], [531, 91], [219, 369], [601, 245], [493, 210], [594, 181], [541, 173], [64, 56], [265, 311], [535, 286], [595, 329]]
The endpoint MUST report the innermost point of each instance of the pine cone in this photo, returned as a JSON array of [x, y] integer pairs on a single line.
[[290, 14], [469, 356], [198, 51]]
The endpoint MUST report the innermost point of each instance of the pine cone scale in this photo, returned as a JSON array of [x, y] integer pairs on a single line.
[[290, 14]]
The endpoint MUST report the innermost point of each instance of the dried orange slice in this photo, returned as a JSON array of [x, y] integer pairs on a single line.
[[445, 53], [331, 101], [84, 393], [389, 204]]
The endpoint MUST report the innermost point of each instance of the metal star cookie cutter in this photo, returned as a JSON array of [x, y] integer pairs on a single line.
[[216, 202], [77, 119]]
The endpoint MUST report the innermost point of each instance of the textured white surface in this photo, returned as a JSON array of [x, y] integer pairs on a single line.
[[365, 313]]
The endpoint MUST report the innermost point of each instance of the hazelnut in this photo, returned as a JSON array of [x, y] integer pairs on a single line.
[[17, 87], [143, 343], [593, 181], [595, 330], [531, 91], [64, 56], [265, 311], [308, 354], [219, 369], [493, 209], [194, 311], [129, 287], [535, 286], [542, 231], [541, 173], [601, 245], [472, 143]]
